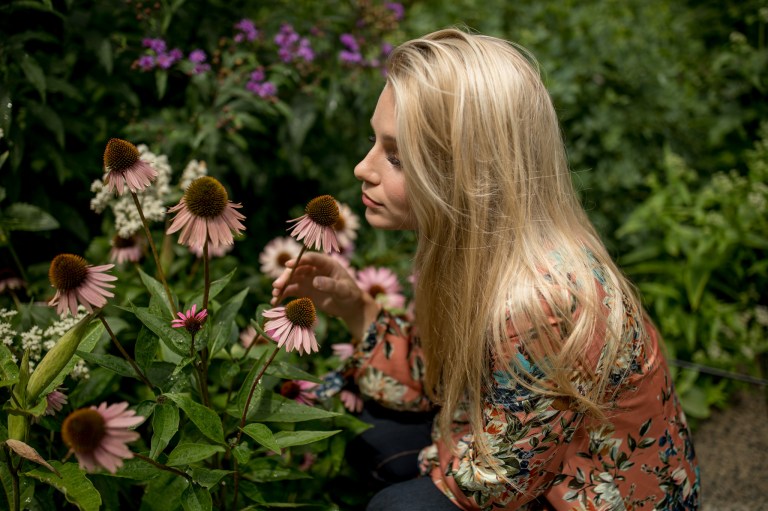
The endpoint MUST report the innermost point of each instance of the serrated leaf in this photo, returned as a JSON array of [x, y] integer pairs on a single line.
[[9, 371], [77, 488], [292, 438], [174, 339], [206, 420], [157, 290], [263, 435], [26, 217], [165, 424], [184, 454], [195, 498]]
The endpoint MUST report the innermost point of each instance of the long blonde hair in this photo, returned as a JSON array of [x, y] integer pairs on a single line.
[[502, 237]]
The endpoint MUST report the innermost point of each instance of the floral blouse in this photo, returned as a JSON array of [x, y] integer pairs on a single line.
[[554, 458]]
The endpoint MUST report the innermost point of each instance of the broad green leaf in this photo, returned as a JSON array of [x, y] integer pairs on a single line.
[[163, 493], [184, 454], [267, 406], [9, 371], [217, 286], [50, 119], [290, 372], [208, 478], [137, 469], [206, 420], [96, 387], [245, 388], [243, 453], [161, 79], [695, 403], [104, 52], [34, 73], [115, 364], [145, 348], [156, 289], [165, 424], [77, 488], [292, 438], [195, 498], [26, 217], [174, 339], [224, 321], [263, 435]]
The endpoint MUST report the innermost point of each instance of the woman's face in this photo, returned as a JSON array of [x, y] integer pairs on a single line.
[[380, 171]]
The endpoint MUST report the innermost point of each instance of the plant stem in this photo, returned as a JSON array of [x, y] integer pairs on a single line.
[[15, 480], [207, 275], [202, 376], [15, 256], [164, 467], [236, 485], [250, 394], [204, 351], [160, 272], [125, 354]]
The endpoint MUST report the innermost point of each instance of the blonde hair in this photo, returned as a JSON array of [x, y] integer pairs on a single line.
[[502, 237]]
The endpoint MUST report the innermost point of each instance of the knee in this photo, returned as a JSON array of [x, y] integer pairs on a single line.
[[385, 500]]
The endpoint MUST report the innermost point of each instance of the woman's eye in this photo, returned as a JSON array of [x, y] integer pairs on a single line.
[[394, 160], [372, 139]]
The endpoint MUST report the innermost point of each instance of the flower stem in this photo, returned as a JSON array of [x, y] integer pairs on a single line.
[[207, 275], [202, 375], [204, 351], [164, 467], [125, 354], [160, 272], [250, 394], [15, 256], [15, 479]]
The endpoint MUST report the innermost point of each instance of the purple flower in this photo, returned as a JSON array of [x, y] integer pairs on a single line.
[[305, 50], [258, 75], [292, 46], [263, 90], [247, 30], [350, 57], [165, 60], [156, 45], [176, 54], [197, 56], [287, 36], [386, 49], [146, 62], [349, 41], [201, 68], [396, 8]]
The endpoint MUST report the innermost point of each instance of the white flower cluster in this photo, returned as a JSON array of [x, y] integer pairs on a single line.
[[32, 341], [127, 219], [192, 171]]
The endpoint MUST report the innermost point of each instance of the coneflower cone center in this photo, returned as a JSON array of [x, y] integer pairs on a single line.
[[83, 430], [120, 155], [323, 210], [340, 224], [283, 257], [290, 389], [67, 271], [206, 197], [376, 290], [301, 312], [120, 242]]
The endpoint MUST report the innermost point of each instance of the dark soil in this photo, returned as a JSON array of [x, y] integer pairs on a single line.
[[732, 446]]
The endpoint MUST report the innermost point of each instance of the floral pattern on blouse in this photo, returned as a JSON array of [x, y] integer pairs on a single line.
[[553, 458]]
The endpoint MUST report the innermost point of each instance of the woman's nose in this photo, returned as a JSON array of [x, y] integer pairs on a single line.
[[364, 171]]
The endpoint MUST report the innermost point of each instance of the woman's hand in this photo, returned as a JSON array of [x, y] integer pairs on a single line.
[[331, 288]]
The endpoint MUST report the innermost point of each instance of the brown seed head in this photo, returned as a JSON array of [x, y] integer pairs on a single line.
[[206, 197], [301, 312], [67, 271], [120, 155], [323, 210], [83, 430]]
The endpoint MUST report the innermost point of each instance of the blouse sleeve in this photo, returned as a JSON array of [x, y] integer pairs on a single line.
[[388, 366]]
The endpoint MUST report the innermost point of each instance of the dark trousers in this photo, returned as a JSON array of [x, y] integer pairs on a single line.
[[415, 495]]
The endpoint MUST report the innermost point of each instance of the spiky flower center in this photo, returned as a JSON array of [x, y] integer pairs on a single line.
[[83, 430], [323, 210], [283, 257], [120, 242], [340, 223], [206, 197], [301, 312], [290, 389], [193, 324], [67, 271], [120, 155], [376, 290]]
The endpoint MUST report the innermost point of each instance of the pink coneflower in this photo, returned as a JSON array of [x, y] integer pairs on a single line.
[[76, 281], [315, 227], [190, 320], [206, 213], [126, 250], [124, 166], [309, 459], [276, 253], [343, 350], [292, 326], [10, 282], [382, 284], [299, 390], [351, 401], [56, 401], [98, 436], [346, 227]]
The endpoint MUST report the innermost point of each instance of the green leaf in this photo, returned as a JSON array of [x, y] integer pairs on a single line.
[[138, 470], [90, 339], [263, 435], [9, 371], [146, 348], [291, 438], [195, 498], [267, 406], [217, 286], [115, 364], [34, 73], [161, 79], [50, 119], [174, 339], [208, 478], [184, 454], [283, 370], [104, 52], [165, 424], [157, 290], [77, 488], [206, 420], [224, 321], [26, 217]]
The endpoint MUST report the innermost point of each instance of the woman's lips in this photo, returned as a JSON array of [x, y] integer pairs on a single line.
[[370, 202]]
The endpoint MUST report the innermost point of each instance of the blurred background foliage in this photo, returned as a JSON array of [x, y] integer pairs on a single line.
[[661, 106]]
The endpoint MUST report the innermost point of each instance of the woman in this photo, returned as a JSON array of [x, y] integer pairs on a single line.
[[552, 389]]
